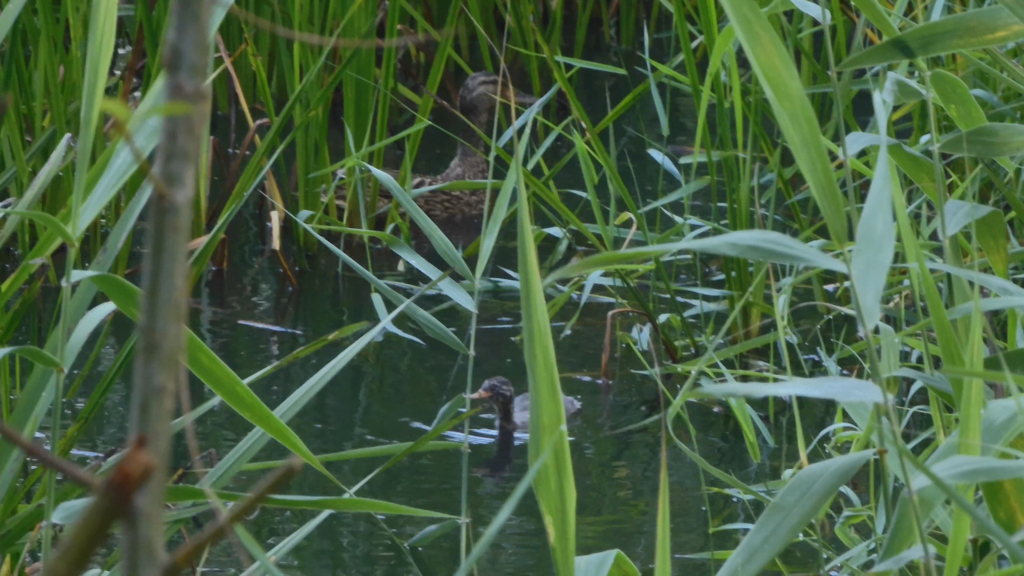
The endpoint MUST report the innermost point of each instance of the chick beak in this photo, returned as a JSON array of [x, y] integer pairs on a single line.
[[479, 395]]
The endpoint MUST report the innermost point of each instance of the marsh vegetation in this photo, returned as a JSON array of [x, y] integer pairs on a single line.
[[771, 246]]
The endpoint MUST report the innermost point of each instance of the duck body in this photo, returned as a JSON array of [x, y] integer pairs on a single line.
[[479, 98], [514, 411]]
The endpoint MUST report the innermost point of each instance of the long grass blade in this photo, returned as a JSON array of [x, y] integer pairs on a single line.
[[790, 511], [793, 112], [554, 484]]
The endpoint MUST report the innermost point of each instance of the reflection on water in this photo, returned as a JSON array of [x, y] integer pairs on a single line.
[[476, 436]]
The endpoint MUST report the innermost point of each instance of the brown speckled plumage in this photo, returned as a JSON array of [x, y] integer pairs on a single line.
[[479, 97]]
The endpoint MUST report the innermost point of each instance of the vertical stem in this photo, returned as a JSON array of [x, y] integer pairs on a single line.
[[161, 345]]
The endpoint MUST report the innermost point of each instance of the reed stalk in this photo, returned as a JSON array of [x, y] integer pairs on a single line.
[[158, 370]]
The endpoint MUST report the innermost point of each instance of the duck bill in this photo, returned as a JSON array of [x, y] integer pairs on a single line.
[[518, 98], [479, 395], [523, 99]]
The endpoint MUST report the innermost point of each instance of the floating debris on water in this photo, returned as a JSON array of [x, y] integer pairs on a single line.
[[268, 327]]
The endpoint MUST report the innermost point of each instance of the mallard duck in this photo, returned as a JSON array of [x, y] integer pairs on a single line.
[[514, 411], [479, 98]]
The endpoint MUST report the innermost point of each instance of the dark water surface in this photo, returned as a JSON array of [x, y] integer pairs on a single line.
[[395, 387]]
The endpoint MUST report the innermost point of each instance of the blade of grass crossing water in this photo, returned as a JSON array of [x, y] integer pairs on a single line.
[[38, 394], [182, 493], [504, 513], [429, 324], [285, 546], [209, 368], [437, 239], [244, 451], [792, 508], [757, 245], [554, 485]]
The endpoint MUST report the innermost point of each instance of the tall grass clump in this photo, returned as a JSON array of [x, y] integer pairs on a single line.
[[804, 214]]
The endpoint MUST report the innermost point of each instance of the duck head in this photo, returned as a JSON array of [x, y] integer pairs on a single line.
[[481, 93], [500, 392], [479, 98]]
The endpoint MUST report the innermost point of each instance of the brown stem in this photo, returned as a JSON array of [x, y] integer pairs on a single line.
[[49, 459], [113, 500], [183, 556], [606, 354], [236, 166]]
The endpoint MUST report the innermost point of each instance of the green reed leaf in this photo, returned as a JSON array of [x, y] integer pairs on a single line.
[[956, 98], [180, 494], [1015, 7], [876, 233], [837, 388], [554, 485], [99, 50], [429, 324], [47, 220], [759, 245], [794, 115], [36, 188], [34, 354], [367, 452], [8, 15], [434, 531], [607, 563], [663, 522], [437, 239], [976, 28], [799, 501], [992, 140]]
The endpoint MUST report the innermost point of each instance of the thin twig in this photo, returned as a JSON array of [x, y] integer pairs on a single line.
[[113, 500], [236, 165], [606, 354], [318, 40], [183, 556], [632, 231], [49, 459]]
